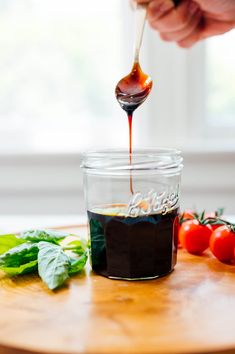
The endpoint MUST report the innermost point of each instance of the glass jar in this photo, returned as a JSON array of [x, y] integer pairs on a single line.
[[133, 209]]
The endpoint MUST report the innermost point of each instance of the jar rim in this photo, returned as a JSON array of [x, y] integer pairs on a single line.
[[123, 153], [162, 160]]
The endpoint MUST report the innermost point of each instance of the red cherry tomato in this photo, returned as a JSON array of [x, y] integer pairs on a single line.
[[188, 214], [222, 243], [194, 237], [214, 227]]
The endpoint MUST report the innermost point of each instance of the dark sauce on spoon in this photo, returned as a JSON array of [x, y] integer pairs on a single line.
[[133, 89]]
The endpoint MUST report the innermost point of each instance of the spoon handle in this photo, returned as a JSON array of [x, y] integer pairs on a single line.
[[141, 12], [140, 22]]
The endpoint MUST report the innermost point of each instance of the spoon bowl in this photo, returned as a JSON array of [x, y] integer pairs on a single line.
[[133, 89]]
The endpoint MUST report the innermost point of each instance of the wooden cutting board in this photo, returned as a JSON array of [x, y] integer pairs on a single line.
[[190, 311]]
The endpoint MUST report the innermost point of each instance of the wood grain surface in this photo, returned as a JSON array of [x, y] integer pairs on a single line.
[[190, 311]]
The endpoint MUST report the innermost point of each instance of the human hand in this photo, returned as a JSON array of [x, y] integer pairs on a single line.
[[191, 20]]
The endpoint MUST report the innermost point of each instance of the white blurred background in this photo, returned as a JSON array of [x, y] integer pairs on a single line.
[[60, 61]]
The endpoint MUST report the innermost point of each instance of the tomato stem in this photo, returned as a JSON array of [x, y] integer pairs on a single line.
[[210, 220], [219, 212], [219, 221]]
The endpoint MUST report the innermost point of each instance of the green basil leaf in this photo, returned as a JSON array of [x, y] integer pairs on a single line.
[[53, 264], [9, 241], [53, 236], [19, 255], [77, 263], [22, 269], [77, 246]]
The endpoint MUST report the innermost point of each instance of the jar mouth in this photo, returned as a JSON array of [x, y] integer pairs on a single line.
[[158, 159]]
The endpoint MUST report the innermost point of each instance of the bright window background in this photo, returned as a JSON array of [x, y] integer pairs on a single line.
[[220, 69], [60, 61]]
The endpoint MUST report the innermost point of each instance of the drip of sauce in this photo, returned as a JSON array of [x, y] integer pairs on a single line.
[[130, 149], [131, 91]]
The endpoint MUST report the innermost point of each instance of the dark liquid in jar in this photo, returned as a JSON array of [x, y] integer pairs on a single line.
[[133, 247]]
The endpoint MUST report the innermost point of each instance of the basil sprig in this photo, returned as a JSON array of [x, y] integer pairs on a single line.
[[42, 251]]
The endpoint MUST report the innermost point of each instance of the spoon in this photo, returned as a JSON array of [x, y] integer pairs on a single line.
[[132, 90]]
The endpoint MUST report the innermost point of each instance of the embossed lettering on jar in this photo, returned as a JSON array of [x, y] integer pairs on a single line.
[[133, 236]]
